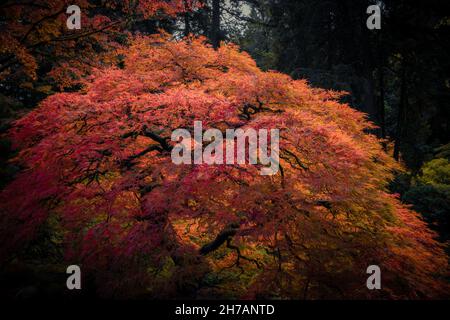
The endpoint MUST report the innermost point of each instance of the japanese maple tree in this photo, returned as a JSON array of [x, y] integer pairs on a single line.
[[97, 164]]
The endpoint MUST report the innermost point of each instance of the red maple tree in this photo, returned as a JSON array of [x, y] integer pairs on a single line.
[[97, 169]]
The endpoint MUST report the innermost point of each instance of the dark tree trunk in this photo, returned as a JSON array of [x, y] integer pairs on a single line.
[[187, 25], [330, 41], [215, 25], [401, 113], [382, 116], [381, 89]]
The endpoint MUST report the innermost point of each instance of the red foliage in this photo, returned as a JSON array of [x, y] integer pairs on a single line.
[[35, 33], [99, 160]]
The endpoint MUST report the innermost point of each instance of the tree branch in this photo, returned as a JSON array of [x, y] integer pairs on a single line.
[[220, 239]]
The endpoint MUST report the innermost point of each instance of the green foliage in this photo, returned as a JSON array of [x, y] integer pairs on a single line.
[[433, 201], [429, 193], [436, 172]]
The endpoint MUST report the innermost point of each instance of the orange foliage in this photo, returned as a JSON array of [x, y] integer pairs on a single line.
[[35, 34], [99, 160]]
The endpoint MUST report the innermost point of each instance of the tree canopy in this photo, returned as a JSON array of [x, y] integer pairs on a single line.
[[97, 171]]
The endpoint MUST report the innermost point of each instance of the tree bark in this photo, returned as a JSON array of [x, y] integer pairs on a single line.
[[401, 113], [226, 234], [187, 22], [381, 110], [215, 24]]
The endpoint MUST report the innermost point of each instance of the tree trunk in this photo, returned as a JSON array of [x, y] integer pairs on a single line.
[[381, 98], [187, 25], [401, 113], [215, 25], [381, 110]]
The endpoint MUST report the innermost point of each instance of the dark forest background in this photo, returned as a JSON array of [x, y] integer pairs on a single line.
[[398, 75]]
